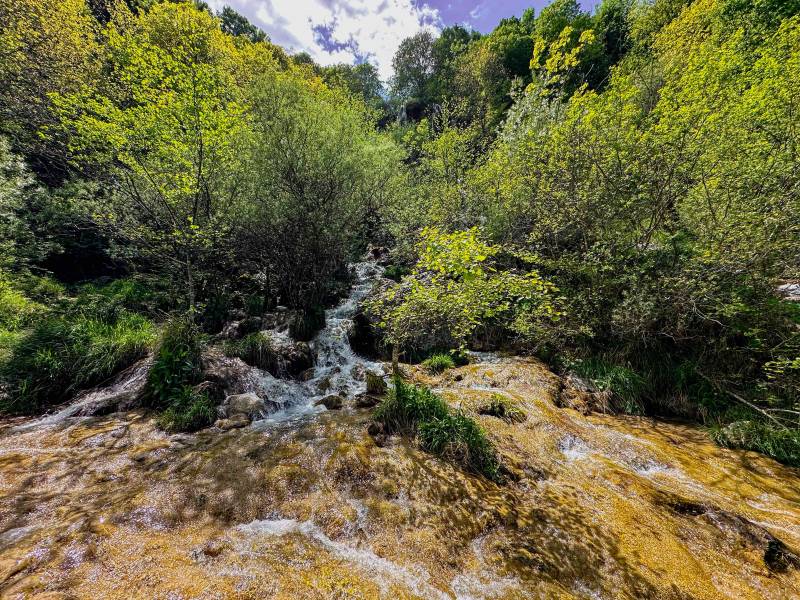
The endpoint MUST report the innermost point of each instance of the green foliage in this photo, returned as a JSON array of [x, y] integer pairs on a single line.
[[501, 407], [255, 349], [176, 363], [438, 363], [188, 411], [782, 444], [63, 354], [417, 411], [627, 386], [457, 286]]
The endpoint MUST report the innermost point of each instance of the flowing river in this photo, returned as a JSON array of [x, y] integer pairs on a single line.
[[304, 504]]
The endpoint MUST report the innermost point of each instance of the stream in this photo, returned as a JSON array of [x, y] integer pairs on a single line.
[[304, 504]]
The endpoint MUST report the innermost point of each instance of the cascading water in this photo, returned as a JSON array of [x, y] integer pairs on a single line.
[[337, 369]]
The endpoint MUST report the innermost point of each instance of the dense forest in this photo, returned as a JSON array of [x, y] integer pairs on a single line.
[[614, 192]]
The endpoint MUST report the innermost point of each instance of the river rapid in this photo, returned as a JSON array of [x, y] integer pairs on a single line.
[[304, 504]]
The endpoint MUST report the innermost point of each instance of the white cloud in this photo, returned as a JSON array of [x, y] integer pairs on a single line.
[[334, 31]]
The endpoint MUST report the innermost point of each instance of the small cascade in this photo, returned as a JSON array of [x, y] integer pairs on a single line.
[[337, 369]]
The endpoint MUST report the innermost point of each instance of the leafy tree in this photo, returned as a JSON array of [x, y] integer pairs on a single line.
[[413, 66], [235, 24], [457, 286], [169, 121]]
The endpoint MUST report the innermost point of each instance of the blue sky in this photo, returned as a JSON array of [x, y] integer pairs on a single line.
[[335, 31]]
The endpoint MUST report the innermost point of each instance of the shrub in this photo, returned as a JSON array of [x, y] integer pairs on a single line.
[[396, 272], [502, 408], [438, 363], [781, 444], [307, 323], [626, 386], [176, 363], [417, 411], [189, 411], [176, 368], [61, 355]]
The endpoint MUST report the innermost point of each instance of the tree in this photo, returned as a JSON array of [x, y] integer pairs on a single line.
[[457, 286], [169, 121], [46, 47], [413, 66], [232, 23]]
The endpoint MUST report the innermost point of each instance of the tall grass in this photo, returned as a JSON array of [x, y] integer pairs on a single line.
[[61, 355], [756, 434], [418, 412], [626, 385], [439, 363], [176, 370]]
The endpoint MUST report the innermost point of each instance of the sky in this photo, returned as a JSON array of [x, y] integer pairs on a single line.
[[350, 31]]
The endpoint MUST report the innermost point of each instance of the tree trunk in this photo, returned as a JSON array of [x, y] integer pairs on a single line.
[[395, 361]]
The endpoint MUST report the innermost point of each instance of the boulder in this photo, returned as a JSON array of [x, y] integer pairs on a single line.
[[290, 358], [232, 375], [249, 406], [236, 330], [235, 422], [331, 402], [367, 401]]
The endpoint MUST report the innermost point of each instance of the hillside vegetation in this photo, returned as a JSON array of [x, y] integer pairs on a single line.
[[617, 193]]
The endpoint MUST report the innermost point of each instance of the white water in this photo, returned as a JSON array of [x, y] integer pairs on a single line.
[[337, 369]]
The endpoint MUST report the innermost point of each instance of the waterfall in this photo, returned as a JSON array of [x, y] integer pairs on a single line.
[[337, 369]]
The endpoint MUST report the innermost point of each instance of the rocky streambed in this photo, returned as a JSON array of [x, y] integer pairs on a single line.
[[311, 507]]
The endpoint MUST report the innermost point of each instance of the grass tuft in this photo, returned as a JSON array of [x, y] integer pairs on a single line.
[[781, 444], [189, 410], [61, 355], [417, 411], [255, 349], [626, 386], [502, 408], [439, 363]]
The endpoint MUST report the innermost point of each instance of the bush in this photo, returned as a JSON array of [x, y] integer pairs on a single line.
[[176, 368], [176, 363], [61, 355], [189, 411], [308, 322], [438, 363], [502, 408], [781, 444], [417, 411], [626, 386]]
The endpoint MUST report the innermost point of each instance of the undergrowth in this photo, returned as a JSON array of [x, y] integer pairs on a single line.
[[418, 412], [176, 370], [626, 385]]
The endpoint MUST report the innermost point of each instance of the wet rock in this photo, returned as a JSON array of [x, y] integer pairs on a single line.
[[376, 386], [375, 428], [232, 375], [366, 401], [291, 358], [358, 372], [331, 402], [235, 422], [249, 406], [307, 375], [235, 330], [778, 558]]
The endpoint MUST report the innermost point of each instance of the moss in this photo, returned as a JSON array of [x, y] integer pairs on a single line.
[[418, 412], [502, 408]]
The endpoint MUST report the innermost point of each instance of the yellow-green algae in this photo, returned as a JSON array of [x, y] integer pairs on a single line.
[[601, 507]]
